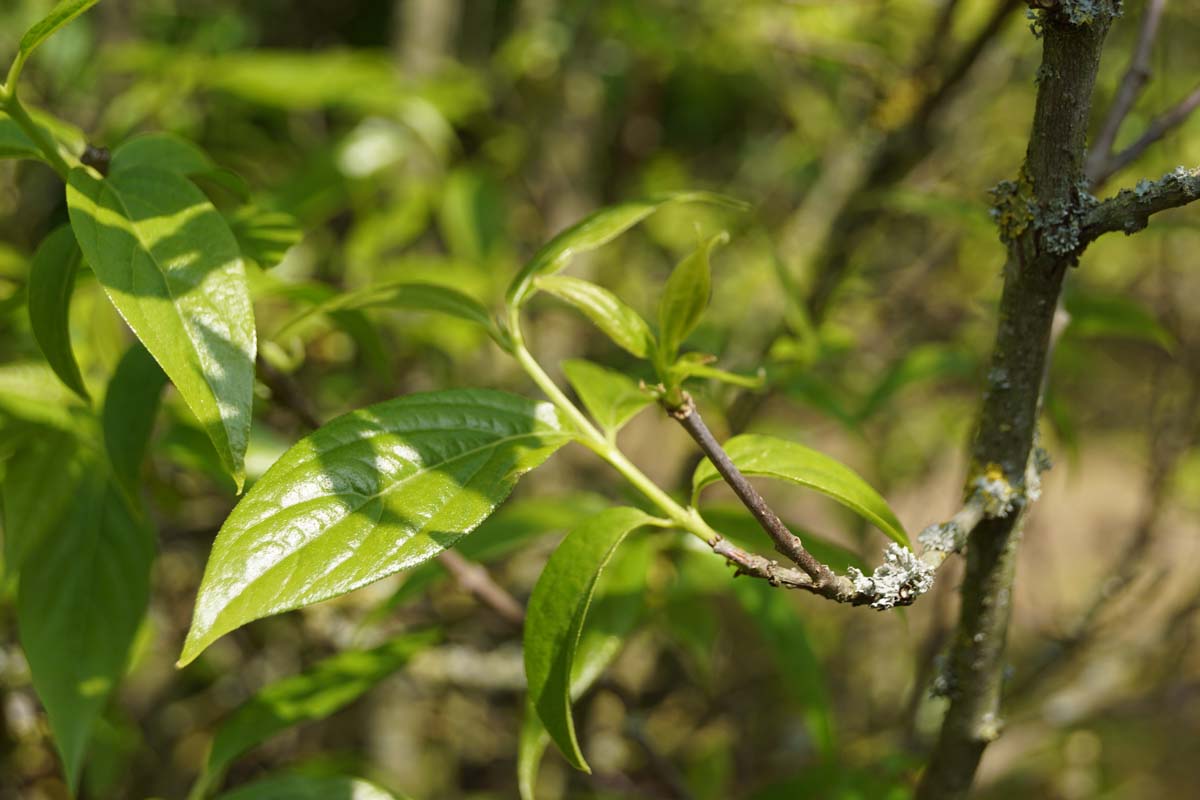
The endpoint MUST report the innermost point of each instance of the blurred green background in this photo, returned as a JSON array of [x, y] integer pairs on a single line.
[[444, 140]]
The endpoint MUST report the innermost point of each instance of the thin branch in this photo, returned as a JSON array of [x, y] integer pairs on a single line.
[[1131, 86], [1159, 127], [1129, 210]]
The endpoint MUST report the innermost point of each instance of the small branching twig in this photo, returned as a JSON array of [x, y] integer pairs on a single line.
[[1130, 210]]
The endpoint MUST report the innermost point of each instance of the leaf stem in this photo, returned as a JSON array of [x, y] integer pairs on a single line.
[[12, 106]]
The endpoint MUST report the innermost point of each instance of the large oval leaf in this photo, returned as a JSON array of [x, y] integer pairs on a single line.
[[172, 268], [51, 281], [607, 312], [370, 493], [557, 610], [769, 457], [597, 230]]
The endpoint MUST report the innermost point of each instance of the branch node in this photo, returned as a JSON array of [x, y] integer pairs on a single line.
[[898, 581]]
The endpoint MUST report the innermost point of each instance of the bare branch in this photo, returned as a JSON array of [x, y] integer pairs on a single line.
[[1130, 88], [1158, 128], [1129, 210]]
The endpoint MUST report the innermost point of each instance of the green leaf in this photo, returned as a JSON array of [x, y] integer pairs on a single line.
[[51, 282], [313, 695], [172, 268], [556, 614], [1095, 316], [164, 151], [371, 493], [306, 787], [265, 236], [405, 295], [130, 408], [82, 596], [769, 457], [39, 476], [59, 16], [735, 523], [609, 396], [616, 610], [31, 392], [13, 141], [608, 312], [696, 365], [685, 297], [929, 362], [597, 230]]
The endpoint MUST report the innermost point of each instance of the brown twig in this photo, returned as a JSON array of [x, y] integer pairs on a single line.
[[1130, 210], [1159, 127]]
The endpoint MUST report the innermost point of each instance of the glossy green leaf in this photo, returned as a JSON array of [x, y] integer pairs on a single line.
[[165, 151], [371, 493], [607, 312], [685, 297], [41, 472], [51, 282], [1096, 316], [312, 695], [770, 457], [611, 397], [597, 230], [172, 268], [265, 236], [556, 614], [60, 15], [309, 787], [616, 610], [404, 295], [82, 596], [130, 408]]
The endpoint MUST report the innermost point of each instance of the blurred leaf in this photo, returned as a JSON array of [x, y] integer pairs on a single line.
[[305, 787], [1096, 316], [265, 236], [13, 141], [51, 282], [130, 408], [611, 397], [685, 297], [930, 362], [471, 217], [313, 695], [171, 266], [371, 493], [618, 321], [696, 365], [60, 15], [615, 612], [38, 477], [736, 523], [83, 593], [770, 457], [557, 610], [597, 230], [30, 391], [813, 390]]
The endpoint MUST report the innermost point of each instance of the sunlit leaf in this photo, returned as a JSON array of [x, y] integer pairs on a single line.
[[31, 392], [371, 493], [556, 614], [83, 593], [51, 282], [607, 312], [770, 457], [685, 297], [609, 396], [595, 231], [172, 268], [130, 408], [309, 787], [60, 15]]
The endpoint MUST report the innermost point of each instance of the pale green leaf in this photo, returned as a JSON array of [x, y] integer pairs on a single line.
[[597, 230], [51, 282], [313, 695], [371, 493], [607, 312], [172, 268], [30, 391], [616, 610], [83, 593], [609, 396], [697, 365], [685, 297], [556, 614], [130, 408], [60, 15], [309, 787], [770, 457]]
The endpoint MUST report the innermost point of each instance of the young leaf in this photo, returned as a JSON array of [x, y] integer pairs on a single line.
[[608, 312], [611, 397], [82, 596], [614, 613], [172, 268], [371, 493], [556, 614], [685, 297], [312, 695], [597, 230], [42, 30], [769, 457], [406, 295], [130, 407], [309, 787], [696, 365], [51, 281], [265, 236]]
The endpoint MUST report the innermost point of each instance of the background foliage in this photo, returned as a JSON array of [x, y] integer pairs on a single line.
[[445, 141]]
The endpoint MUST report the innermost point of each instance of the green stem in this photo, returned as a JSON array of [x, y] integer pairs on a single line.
[[686, 518], [12, 106]]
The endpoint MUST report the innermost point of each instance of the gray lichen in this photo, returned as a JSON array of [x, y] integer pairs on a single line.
[[1075, 12], [944, 536], [900, 579], [998, 495]]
